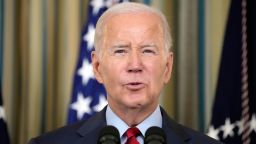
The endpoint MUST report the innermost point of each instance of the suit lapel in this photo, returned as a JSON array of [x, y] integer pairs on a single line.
[[174, 132], [89, 131]]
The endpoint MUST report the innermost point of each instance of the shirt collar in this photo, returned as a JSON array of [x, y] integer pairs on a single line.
[[155, 119]]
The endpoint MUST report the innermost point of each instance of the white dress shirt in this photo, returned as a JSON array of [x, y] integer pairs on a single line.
[[155, 119]]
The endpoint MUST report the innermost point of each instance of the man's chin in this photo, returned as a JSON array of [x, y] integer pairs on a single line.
[[135, 105]]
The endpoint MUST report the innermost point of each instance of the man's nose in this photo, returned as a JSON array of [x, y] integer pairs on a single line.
[[135, 62]]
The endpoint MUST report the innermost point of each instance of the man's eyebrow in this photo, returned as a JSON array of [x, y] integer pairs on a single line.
[[121, 45], [149, 45]]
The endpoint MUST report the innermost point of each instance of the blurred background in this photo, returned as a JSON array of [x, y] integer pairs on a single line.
[[40, 45]]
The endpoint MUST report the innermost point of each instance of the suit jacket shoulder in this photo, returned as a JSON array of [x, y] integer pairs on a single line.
[[83, 132], [179, 134], [86, 132]]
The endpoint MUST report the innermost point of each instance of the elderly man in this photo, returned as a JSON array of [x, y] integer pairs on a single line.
[[133, 60]]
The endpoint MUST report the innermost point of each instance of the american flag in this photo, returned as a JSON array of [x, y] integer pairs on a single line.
[[88, 96], [234, 112], [4, 137]]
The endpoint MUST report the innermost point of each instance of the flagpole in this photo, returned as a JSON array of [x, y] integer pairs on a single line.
[[244, 80]]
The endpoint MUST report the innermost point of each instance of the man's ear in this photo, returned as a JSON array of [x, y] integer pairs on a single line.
[[96, 66], [168, 67]]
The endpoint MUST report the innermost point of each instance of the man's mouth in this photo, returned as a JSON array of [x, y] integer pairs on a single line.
[[135, 86]]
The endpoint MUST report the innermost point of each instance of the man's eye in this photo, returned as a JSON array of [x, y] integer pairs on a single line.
[[120, 51], [149, 51]]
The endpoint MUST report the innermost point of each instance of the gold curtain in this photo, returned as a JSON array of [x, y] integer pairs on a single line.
[[41, 43], [216, 15]]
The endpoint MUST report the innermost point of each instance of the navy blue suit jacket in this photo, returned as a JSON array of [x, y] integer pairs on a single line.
[[86, 132]]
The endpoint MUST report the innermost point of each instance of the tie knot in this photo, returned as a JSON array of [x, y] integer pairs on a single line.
[[132, 132]]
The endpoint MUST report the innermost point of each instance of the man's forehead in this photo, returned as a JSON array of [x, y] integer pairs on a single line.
[[132, 16], [128, 20]]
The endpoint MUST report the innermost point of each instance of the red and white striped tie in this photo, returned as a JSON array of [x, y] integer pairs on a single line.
[[131, 135]]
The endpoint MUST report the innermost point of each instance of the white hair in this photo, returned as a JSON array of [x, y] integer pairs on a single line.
[[130, 7]]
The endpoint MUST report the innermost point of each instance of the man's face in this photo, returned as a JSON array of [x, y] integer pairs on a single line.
[[134, 65]]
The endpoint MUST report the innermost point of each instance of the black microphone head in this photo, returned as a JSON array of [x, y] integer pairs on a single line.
[[155, 135], [109, 135]]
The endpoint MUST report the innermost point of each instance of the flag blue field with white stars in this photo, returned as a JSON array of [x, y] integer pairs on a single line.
[[4, 137]]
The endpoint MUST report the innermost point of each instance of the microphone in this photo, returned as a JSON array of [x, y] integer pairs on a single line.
[[155, 135], [109, 135]]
